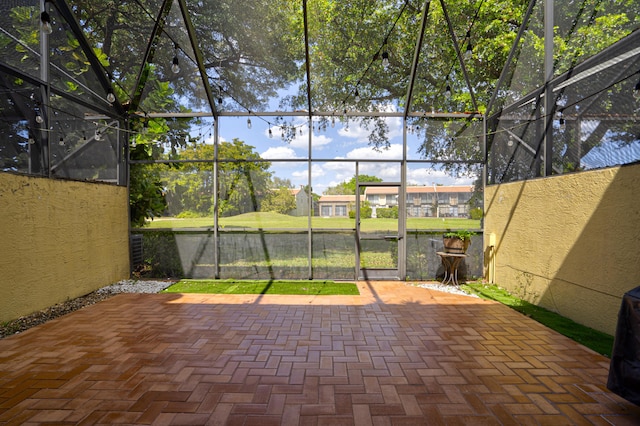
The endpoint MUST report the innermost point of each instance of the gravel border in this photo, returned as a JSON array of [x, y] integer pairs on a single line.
[[446, 288], [40, 317]]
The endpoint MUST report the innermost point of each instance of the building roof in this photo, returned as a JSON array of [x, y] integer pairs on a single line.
[[373, 190], [337, 198]]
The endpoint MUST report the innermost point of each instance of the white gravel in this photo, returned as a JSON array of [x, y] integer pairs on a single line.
[[135, 286], [447, 288]]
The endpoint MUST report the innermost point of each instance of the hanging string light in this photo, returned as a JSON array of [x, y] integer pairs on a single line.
[[469, 52], [447, 90], [45, 21], [111, 97], [385, 60], [175, 65], [385, 55], [357, 96], [636, 90], [248, 123]]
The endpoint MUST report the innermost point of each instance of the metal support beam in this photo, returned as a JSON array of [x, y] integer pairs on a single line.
[[549, 99], [193, 39], [416, 58], [454, 39]]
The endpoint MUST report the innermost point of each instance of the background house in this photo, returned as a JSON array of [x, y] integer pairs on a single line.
[[302, 202], [424, 201], [335, 205]]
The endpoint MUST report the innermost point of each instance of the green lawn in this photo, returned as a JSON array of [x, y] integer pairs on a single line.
[[315, 288], [270, 220]]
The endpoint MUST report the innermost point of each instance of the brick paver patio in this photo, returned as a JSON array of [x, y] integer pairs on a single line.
[[394, 355]]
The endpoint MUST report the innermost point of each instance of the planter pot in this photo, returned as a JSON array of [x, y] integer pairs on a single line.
[[455, 245]]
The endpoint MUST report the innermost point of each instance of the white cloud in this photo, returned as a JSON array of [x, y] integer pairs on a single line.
[[358, 131], [393, 153], [279, 152]]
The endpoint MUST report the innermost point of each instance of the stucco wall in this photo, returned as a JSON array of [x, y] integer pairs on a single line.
[[568, 243], [59, 240]]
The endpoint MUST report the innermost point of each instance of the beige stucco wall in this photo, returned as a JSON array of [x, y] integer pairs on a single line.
[[568, 243], [58, 240]]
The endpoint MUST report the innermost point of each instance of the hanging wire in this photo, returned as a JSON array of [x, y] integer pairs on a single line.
[[468, 35], [376, 56]]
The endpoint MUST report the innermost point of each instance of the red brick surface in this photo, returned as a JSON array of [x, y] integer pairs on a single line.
[[396, 354]]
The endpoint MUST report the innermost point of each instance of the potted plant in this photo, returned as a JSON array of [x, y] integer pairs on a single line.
[[457, 241]]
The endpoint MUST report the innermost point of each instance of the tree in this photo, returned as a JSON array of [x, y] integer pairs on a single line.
[[243, 180], [147, 198], [349, 187], [280, 200]]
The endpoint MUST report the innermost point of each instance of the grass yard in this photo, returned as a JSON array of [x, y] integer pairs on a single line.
[[270, 220], [314, 288]]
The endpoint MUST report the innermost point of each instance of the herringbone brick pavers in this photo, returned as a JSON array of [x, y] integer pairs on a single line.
[[396, 354]]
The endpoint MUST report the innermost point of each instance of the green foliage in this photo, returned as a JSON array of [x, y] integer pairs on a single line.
[[161, 256], [594, 339], [365, 210], [146, 194], [280, 200], [476, 213], [387, 213], [349, 187], [242, 186], [188, 214], [463, 234], [315, 288]]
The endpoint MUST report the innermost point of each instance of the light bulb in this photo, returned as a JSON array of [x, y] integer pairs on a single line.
[[61, 141], [469, 52], [45, 19], [175, 66], [357, 96], [111, 98], [32, 141], [270, 134], [447, 92], [248, 123], [39, 118], [636, 91], [385, 59], [333, 122], [98, 135]]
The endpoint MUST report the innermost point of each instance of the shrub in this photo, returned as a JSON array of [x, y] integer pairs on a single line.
[[476, 213], [387, 213]]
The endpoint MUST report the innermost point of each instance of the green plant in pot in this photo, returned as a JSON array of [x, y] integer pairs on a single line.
[[457, 241]]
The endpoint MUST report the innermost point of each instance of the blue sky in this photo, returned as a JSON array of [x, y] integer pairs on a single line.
[[336, 143]]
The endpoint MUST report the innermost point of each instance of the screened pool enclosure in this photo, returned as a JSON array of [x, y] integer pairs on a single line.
[[230, 120]]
